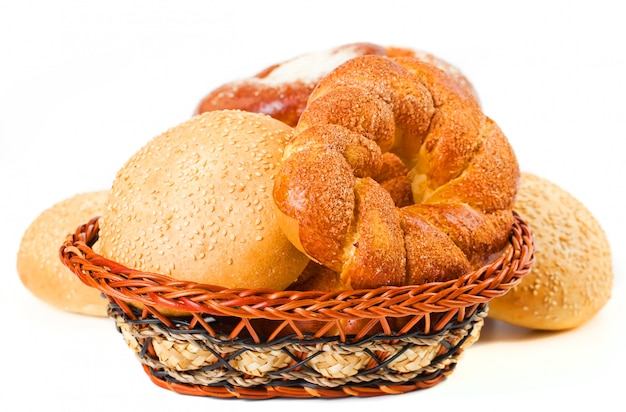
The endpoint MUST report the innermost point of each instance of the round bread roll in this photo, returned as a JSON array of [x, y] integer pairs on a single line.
[[39, 266], [196, 204], [572, 277]]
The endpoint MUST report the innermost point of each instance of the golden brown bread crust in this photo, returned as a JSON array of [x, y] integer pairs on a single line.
[[572, 277], [282, 90], [377, 254], [283, 103], [39, 265], [393, 177], [195, 204], [463, 175]]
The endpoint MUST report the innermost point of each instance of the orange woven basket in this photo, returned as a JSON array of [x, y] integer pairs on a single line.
[[204, 340]]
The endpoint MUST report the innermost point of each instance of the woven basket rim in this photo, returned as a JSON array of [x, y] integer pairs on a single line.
[[160, 291]]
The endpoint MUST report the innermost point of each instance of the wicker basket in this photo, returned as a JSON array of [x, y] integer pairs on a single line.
[[206, 340]]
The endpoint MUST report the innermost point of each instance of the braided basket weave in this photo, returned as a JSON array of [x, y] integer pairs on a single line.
[[205, 340]]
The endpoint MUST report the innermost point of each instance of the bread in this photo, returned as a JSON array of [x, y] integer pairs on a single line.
[[572, 277], [462, 171], [195, 203], [282, 90], [39, 266]]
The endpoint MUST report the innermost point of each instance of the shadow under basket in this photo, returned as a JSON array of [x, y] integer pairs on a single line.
[[205, 340]]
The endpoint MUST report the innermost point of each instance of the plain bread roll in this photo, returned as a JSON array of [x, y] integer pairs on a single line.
[[38, 263], [195, 204], [572, 277]]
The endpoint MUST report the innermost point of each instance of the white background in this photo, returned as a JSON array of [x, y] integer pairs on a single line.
[[83, 85]]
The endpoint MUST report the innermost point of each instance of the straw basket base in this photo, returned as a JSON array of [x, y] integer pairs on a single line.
[[207, 340], [193, 362]]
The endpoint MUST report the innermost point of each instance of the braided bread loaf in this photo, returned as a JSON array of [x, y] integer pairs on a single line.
[[283, 89], [463, 176]]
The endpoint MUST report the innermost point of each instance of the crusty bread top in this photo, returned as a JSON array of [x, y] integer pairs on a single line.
[[282, 90]]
